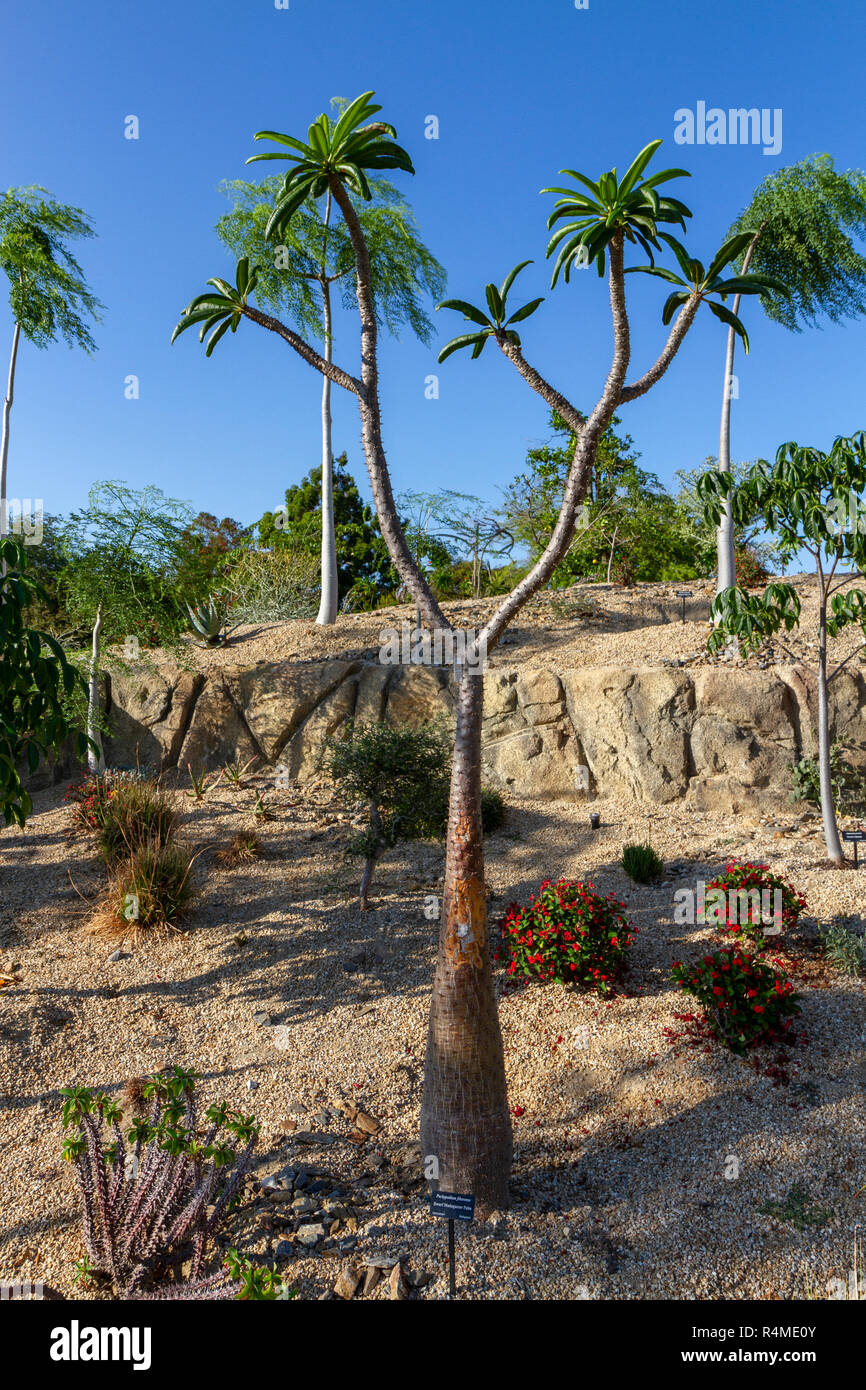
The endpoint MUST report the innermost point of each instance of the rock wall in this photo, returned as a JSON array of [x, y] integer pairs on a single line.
[[719, 738]]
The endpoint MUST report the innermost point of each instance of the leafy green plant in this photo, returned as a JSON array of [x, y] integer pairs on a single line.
[[567, 932], [156, 1195], [199, 783], [271, 586], [136, 813], [642, 863], [797, 1209], [848, 782], [89, 799], [845, 947], [236, 772], [400, 773], [494, 812], [35, 680], [745, 1000]]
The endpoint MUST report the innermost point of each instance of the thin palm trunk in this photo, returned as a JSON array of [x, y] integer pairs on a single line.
[[835, 851], [328, 604], [4, 446], [95, 761], [726, 568]]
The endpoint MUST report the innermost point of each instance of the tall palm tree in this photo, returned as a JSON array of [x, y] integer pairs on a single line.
[[316, 258], [465, 1121], [803, 218], [48, 294]]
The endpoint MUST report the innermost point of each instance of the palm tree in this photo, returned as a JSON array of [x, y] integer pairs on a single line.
[[465, 1122], [47, 290], [802, 218], [317, 254]]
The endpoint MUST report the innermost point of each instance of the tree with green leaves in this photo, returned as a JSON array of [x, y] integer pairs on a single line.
[[48, 294], [364, 566], [811, 501], [299, 277], [465, 1120], [797, 236], [36, 685]]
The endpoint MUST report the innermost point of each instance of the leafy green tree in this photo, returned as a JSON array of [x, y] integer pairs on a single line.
[[811, 501], [363, 560], [798, 230], [48, 294], [298, 278], [464, 1114], [36, 684], [205, 549]]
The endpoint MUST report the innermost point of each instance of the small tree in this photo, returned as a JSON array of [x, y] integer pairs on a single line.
[[799, 225], [811, 501], [49, 296], [402, 775], [36, 683]]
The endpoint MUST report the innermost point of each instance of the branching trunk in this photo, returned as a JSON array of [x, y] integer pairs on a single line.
[[328, 603], [95, 761], [465, 1123]]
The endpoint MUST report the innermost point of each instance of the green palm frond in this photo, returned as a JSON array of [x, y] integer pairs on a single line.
[[494, 324]]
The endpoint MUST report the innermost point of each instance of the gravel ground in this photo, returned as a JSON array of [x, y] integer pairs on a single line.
[[293, 1004], [588, 624]]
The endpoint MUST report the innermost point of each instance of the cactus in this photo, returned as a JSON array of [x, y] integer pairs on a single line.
[[208, 620]]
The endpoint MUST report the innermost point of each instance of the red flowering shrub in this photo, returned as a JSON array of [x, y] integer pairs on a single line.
[[567, 932], [89, 800], [755, 880], [744, 998]]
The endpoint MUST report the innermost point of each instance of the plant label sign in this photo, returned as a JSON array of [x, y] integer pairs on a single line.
[[855, 838], [455, 1206]]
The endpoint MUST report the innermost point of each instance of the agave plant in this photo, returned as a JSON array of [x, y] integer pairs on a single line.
[[208, 620], [163, 1197]]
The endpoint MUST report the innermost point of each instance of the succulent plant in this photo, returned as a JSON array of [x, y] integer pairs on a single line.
[[208, 620]]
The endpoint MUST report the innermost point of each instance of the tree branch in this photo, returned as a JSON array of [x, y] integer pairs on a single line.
[[682, 324], [303, 349], [574, 418], [845, 662]]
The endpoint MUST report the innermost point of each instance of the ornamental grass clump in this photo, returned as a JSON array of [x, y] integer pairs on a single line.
[[642, 863], [745, 999], [755, 898], [138, 813], [152, 889], [569, 933], [153, 1197]]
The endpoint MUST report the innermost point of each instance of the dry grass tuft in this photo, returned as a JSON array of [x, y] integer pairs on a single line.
[[243, 849]]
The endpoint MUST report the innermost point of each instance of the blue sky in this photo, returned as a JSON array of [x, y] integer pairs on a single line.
[[520, 91]]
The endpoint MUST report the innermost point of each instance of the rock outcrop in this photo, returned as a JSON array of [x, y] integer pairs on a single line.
[[719, 738]]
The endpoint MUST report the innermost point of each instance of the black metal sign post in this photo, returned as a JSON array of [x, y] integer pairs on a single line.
[[684, 594], [855, 838], [454, 1206]]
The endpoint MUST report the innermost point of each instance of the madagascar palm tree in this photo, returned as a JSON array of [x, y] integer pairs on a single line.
[[465, 1121]]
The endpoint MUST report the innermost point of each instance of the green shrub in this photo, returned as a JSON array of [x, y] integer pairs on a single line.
[[847, 781], [136, 813], [744, 998], [270, 586], [494, 811], [642, 863], [846, 948], [567, 932]]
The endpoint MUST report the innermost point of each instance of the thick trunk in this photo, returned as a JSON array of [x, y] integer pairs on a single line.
[[328, 604], [465, 1123], [4, 446], [95, 762], [726, 568], [828, 810]]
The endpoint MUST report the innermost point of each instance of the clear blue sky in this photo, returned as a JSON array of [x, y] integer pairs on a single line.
[[520, 90]]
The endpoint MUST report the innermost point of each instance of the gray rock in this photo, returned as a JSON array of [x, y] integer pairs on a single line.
[[115, 956], [284, 1249], [311, 1235]]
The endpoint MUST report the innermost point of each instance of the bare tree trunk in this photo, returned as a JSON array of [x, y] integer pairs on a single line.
[[835, 851], [465, 1123], [95, 762], [4, 446], [612, 549], [726, 569], [328, 603]]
